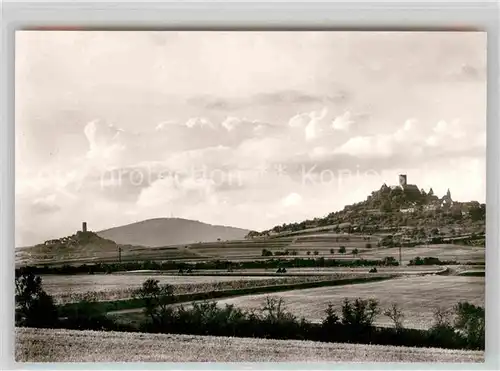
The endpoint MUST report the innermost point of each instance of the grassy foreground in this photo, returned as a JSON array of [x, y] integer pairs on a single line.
[[49, 345]]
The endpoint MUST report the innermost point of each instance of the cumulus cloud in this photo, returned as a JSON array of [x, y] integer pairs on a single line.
[[173, 193], [201, 122], [103, 141], [413, 137], [299, 120], [293, 199], [314, 128], [244, 125], [312, 123], [367, 146], [446, 131], [164, 125], [342, 122]]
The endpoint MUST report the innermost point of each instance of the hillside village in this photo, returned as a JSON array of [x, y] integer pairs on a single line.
[[80, 238], [406, 214]]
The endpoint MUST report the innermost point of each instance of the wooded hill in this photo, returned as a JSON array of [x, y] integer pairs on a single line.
[[393, 209]]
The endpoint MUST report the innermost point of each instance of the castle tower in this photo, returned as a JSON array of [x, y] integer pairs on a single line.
[[84, 227], [402, 180]]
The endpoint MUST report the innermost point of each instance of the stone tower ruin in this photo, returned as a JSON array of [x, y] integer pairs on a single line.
[[402, 180]]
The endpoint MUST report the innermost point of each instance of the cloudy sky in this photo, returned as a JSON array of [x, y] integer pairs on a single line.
[[239, 128]]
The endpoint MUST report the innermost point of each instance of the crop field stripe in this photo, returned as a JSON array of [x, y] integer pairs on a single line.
[[118, 305], [417, 297], [50, 345]]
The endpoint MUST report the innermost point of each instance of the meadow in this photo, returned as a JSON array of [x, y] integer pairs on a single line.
[[71, 288], [104, 287], [418, 297], [57, 284], [50, 345], [459, 253]]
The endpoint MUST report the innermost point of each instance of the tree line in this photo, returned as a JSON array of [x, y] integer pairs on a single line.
[[272, 263]]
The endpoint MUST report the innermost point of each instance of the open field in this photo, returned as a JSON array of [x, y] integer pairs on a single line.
[[459, 253], [417, 296], [67, 288], [72, 288], [57, 284], [298, 271], [48, 345], [117, 287]]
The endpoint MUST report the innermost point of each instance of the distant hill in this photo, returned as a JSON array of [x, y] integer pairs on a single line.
[[77, 247], [170, 231]]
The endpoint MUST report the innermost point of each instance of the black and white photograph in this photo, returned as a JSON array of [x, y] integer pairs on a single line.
[[250, 196]]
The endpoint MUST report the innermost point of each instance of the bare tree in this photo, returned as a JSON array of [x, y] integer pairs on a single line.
[[396, 315], [442, 317], [275, 310]]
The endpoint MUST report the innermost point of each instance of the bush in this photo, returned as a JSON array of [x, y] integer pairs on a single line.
[[34, 307], [442, 332], [316, 252], [342, 250], [359, 314], [156, 299], [373, 270], [266, 252], [470, 321], [331, 319], [389, 261], [417, 261], [431, 261]]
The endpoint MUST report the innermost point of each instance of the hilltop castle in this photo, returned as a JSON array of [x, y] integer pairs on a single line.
[[403, 184], [431, 201], [69, 240]]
